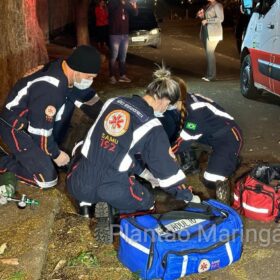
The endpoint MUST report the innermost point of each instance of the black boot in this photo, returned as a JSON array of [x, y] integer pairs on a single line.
[[85, 209], [188, 162], [103, 232], [223, 192]]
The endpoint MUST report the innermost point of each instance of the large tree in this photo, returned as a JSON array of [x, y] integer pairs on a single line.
[[22, 44], [81, 8]]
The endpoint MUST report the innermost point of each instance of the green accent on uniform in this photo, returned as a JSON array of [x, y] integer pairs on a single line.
[[191, 126]]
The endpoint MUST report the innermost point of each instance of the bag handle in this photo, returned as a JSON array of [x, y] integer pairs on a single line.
[[206, 213], [176, 215], [179, 215]]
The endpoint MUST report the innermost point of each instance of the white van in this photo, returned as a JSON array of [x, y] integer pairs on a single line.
[[260, 51]]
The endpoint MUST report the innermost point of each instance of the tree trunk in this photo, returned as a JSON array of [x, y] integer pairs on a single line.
[[22, 44], [81, 8]]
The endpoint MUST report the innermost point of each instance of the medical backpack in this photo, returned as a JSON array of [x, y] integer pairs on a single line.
[[203, 237], [257, 194]]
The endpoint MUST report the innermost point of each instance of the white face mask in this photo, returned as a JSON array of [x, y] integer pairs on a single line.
[[158, 114], [83, 84], [171, 107]]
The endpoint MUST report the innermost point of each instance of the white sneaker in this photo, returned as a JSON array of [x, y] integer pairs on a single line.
[[124, 79], [205, 79], [112, 80]]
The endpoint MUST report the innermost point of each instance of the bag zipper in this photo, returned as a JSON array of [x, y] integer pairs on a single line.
[[200, 251], [152, 246]]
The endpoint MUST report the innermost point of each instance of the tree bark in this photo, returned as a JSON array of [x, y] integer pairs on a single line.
[[22, 44], [81, 17]]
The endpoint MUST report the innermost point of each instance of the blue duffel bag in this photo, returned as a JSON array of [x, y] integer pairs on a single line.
[[205, 236]]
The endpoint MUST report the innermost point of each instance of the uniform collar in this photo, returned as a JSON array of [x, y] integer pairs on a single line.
[[143, 104]]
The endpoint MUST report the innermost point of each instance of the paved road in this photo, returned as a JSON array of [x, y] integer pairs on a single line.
[[182, 52]]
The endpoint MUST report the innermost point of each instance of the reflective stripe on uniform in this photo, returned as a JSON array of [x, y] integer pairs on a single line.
[[46, 185], [212, 108], [59, 114], [39, 131], [87, 143], [213, 177], [172, 180], [186, 136], [24, 90], [138, 134]]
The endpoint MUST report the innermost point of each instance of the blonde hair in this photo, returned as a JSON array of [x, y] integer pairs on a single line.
[[164, 86], [183, 87]]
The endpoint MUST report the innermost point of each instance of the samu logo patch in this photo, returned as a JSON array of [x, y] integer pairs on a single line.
[[191, 126], [117, 122]]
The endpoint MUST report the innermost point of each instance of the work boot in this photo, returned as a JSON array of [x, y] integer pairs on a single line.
[[223, 192], [85, 209], [104, 219], [189, 163]]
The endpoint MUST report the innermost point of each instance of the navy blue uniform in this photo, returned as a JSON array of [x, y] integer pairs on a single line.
[[33, 122], [171, 124], [125, 128], [209, 124]]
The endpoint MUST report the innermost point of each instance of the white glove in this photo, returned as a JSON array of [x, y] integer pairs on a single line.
[[62, 159], [147, 175], [195, 199]]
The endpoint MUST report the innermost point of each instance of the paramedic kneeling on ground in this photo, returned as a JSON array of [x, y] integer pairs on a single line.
[[206, 122], [104, 171], [38, 111]]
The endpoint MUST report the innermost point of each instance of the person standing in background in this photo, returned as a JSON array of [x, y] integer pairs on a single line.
[[211, 33], [119, 12], [101, 23]]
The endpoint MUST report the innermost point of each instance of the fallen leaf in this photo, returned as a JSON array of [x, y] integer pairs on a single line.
[[10, 261], [59, 265], [3, 247]]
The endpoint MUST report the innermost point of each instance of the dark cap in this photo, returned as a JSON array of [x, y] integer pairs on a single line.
[[85, 59]]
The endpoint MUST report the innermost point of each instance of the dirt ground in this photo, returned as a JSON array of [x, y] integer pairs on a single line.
[[73, 253]]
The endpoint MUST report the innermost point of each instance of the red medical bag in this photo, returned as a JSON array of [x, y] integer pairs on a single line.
[[257, 195]]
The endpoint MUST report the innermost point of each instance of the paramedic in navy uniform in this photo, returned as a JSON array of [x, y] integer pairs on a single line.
[[206, 122], [126, 127], [38, 110]]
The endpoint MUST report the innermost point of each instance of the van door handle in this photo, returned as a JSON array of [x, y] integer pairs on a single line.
[[270, 26]]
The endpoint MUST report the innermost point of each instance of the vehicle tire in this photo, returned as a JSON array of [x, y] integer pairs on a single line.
[[247, 87]]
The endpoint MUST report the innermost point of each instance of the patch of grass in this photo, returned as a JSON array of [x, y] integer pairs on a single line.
[[111, 253], [84, 259], [136, 276], [19, 275]]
